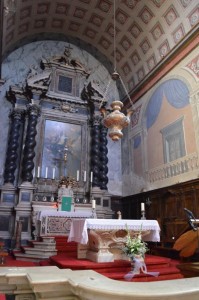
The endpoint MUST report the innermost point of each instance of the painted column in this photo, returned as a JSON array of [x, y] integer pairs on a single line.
[[30, 143], [95, 150], [103, 178], [13, 146]]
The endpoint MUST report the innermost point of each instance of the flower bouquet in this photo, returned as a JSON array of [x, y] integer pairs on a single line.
[[134, 246]]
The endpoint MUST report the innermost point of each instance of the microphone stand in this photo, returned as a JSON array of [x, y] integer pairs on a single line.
[[192, 219]]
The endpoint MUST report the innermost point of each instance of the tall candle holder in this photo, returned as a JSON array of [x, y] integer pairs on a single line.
[[93, 208], [143, 215]]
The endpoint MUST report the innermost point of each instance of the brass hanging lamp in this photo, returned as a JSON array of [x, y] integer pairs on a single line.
[[115, 120]]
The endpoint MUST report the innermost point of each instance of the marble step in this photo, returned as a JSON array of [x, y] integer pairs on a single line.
[[37, 257], [40, 251], [47, 239], [44, 245]]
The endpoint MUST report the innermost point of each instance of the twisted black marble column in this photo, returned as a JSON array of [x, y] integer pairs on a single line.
[[30, 143], [17, 117], [103, 178], [95, 150]]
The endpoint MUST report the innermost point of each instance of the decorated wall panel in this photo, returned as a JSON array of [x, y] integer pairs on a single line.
[[164, 130]]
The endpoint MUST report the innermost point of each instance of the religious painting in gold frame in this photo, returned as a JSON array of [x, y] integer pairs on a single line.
[[62, 149]]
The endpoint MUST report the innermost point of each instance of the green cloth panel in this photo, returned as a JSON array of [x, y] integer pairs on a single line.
[[66, 203]]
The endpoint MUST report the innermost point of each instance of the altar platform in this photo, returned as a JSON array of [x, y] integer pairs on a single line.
[[101, 240]]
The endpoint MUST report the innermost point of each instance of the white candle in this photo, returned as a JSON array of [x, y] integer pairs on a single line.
[[46, 172], [142, 207], [91, 176], [84, 176], [77, 175], [33, 173], [38, 172], [93, 203], [54, 173]]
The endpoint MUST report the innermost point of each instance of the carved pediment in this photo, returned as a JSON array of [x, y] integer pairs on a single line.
[[61, 79], [40, 80], [65, 61]]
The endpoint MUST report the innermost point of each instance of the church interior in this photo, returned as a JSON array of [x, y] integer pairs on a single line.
[[99, 142]]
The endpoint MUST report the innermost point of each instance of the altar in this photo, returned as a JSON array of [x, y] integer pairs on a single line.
[[56, 223], [101, 240]]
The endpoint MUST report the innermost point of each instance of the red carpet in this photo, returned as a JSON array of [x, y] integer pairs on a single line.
[[67, 259], [117, 270]]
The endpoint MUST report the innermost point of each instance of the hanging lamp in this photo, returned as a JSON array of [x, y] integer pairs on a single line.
[[114, 119]]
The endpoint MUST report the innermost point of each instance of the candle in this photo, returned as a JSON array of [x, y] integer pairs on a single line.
[[142, 207], [77, 175], [38, 172], [84, 176], [46, 176], [91, 176], [33, 173], [93, 203], [54, 173]]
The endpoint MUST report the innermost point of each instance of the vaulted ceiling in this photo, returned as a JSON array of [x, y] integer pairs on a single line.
[[147, 31]]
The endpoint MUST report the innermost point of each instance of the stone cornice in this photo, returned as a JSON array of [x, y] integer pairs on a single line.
[[54, 283]]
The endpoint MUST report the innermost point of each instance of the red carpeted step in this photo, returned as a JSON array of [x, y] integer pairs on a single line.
[[167, 274], [63, 246], [117, 269], [163, 272], [63, 261], [45, 263]]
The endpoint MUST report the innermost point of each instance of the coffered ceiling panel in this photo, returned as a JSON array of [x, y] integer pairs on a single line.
[[146, 30]]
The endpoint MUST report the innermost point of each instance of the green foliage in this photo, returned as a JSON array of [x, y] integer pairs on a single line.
[[135, 246]]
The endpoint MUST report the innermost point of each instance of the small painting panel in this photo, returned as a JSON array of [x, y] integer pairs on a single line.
[[9, 198]]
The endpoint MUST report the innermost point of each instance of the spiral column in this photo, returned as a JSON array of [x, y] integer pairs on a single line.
[[17, 117], [103, 158], [30, 143], [95, 150]]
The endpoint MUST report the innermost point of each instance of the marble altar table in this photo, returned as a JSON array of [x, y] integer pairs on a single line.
[[101, 240], [54, 223]]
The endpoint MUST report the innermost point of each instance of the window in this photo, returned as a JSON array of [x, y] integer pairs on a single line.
[[173, 141]]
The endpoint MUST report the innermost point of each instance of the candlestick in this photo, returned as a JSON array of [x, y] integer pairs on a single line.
[[46, 176], [142, 207], [143, 215], [84, 176], [93, 204], [91, 176], [38, 172], [77, 175]]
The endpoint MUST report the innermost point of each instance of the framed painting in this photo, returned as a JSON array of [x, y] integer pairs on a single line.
[[62, 149]]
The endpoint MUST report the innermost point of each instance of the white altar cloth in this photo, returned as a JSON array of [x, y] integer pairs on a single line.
[[79, 228]]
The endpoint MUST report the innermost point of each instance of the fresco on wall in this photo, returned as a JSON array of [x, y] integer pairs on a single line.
[[165, 149], [137, 155], [167, 105], [61, 149]]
